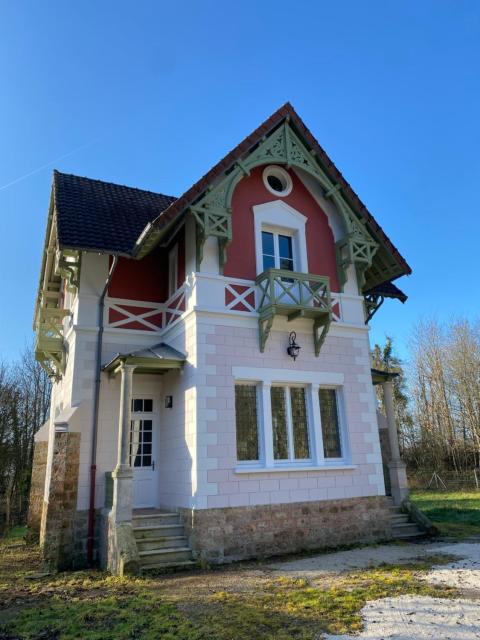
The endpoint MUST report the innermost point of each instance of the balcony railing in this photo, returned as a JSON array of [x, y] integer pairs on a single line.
[[294, 295]]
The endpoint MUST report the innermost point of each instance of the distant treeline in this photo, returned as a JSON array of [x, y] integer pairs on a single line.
[[24, 405], [438, 396]]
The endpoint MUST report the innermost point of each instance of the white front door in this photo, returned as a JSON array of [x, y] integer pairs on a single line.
[[143, 437]]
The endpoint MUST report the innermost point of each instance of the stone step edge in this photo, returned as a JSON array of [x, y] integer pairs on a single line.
[[405, 524], [144, 516], [169, 565], [163, 551], [156, 526], [161, 539], [401, 536]]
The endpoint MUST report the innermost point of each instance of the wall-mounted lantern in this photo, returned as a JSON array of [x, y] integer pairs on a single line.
[[168, 402], [293, 348]]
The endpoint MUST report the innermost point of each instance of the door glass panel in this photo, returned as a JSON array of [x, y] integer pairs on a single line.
[[279, 423], [148, 405], [137, 405], [141, 443], [299, 423]]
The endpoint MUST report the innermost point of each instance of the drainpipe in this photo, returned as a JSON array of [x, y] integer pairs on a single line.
[[96, 400]]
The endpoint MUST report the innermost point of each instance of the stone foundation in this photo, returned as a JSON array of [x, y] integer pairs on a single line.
[[37, 489], [59, 515], [236, 533]]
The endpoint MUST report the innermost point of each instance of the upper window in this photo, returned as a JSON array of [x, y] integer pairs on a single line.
[[289, 423], [277, 180], [277, 251], [172, 270]]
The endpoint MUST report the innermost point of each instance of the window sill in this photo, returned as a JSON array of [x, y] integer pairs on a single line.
[[292, 469]]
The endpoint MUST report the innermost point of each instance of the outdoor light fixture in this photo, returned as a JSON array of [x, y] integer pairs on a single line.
[[293, 348], [168, 402]]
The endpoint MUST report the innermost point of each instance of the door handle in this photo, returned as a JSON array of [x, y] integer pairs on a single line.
[[153, 465]]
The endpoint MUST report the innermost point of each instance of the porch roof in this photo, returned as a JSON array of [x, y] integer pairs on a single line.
[[158, 359], [383, 376]]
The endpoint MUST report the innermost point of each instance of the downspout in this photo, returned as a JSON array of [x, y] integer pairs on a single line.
[[96, 400]]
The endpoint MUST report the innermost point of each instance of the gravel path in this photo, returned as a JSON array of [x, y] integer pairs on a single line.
[[408, 617]]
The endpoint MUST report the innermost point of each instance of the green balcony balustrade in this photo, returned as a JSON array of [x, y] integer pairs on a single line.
[[49, 347], [295, 295]]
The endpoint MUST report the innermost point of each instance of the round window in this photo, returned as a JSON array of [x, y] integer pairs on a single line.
[[277, 180]]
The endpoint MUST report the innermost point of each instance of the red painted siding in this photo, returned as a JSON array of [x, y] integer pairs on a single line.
[[250, 191], [147, 279]]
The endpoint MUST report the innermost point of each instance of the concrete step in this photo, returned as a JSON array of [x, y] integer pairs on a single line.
[[406, 536], [171, 556], [153, 519], [406, 528], [169, 542], [157, 531], [399, 518], [162, 566]]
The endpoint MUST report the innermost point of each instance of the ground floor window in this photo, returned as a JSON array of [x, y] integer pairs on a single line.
[[287, 424], [247, 422], [332, 441]]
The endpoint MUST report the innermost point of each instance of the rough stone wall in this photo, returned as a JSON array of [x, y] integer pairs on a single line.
[[225, 535], [37, 488], [57, 532]]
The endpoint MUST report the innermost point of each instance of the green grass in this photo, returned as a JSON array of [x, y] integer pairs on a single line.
[[16, 532], [455, 513], [231, 603]]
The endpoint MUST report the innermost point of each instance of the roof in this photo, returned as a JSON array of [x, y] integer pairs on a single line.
[[382, 376], [388, 290], [102, 216], [159, 357], [245, 147]]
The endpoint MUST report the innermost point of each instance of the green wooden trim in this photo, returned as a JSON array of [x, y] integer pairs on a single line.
[[373, 302], [67, 265], [294, 295], [283, 146]]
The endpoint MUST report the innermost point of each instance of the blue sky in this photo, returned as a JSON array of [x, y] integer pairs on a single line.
[[152, 94]]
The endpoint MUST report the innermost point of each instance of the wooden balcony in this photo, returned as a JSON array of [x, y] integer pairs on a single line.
[[295, 295]]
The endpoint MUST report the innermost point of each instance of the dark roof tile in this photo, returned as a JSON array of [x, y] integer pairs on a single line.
[[102, 216]]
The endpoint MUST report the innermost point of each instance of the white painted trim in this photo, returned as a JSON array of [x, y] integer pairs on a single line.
[[293, 469], [273, 169], [269, 376], [281, 217]]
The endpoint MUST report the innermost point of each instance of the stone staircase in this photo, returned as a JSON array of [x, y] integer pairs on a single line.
[[403, 527], [161, 540]]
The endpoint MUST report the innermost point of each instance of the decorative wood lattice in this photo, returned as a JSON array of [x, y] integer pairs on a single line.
[[145, 316]]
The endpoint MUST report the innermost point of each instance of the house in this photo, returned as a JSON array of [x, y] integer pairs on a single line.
[[212, 392]]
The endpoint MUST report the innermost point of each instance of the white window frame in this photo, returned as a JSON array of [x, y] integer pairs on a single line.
[[172, 270], [276, 232], [279, 217], [312, 382], [290, 438]]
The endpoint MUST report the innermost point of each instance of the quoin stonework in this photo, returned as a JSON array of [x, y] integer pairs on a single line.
[[213, 397]]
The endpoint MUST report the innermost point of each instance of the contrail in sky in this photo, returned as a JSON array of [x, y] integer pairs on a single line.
[[47, 164]]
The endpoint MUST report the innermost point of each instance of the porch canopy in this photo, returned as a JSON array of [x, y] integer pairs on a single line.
[[157, 359], [379, 377]]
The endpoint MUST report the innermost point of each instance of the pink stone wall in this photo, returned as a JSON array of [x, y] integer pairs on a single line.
[[222, 347]]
